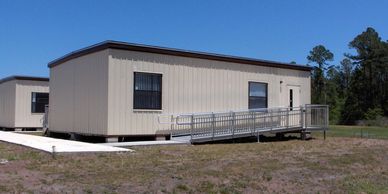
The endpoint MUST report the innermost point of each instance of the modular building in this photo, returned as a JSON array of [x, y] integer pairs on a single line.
[[22, 102], [116, 89]]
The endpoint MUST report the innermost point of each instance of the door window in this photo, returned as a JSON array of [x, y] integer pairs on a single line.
[[291, 99]]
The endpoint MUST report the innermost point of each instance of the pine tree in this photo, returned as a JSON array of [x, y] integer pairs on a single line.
[[368, 87], [320, 56]]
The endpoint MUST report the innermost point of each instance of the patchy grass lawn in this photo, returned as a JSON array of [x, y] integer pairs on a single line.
[[336, 165]]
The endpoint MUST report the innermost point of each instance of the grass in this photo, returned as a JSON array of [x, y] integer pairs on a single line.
[[37, 133], [366, 184], [337, 165], [356, 131]]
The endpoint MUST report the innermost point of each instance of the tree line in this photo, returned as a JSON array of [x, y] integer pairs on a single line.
[[357, 88]]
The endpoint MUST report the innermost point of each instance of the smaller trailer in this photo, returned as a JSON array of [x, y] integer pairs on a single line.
[[22, 102]]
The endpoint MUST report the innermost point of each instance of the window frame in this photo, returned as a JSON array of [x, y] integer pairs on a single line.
[[134, 91], [249, 93], [34, 103]]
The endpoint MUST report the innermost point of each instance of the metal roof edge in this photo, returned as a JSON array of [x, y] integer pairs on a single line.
[[170, 51], [22, 77]]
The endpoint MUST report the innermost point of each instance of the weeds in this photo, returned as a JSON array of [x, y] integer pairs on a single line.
[[293, 166]]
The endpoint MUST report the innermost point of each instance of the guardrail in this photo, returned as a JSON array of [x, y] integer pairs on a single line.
[[232, 124], [45, 118]]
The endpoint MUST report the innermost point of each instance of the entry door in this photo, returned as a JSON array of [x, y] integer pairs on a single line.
[[293, 96]]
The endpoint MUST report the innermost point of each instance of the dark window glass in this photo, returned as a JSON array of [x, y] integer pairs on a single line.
[[257, 95], [291, 99], [147, 91], [38, 102]]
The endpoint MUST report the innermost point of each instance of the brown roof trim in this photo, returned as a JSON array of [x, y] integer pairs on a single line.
[[174, 52], [20, 77]]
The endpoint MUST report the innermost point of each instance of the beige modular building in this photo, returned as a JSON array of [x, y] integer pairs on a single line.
[[22, 102], [117, 89]]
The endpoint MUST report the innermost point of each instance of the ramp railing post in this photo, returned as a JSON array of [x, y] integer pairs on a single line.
[[271, 117], [326, 120], [327, 117], [233, 123], [288, 118], [172, 126], [213, 125], [253, 122], [301, 121], [191, 127]]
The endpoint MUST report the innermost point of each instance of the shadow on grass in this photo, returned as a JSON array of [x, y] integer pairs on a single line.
[[262, 138]]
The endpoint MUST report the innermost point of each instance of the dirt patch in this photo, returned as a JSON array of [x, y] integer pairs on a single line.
[[335, 165]]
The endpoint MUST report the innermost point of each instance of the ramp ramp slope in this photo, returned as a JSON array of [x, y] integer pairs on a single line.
[[61, 146]]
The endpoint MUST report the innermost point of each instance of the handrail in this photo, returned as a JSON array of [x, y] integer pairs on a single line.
[[168, 116]]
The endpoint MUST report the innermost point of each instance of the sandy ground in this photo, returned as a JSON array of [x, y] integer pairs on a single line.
[[336, 165]]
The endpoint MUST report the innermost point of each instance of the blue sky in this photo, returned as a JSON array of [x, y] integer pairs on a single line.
[[33, 33]]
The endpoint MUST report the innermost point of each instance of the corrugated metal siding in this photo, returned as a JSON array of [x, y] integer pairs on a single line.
[[7, 104], [190, 85], [79, 95], [24, 117]]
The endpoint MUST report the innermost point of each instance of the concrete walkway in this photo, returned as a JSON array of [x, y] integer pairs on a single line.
[[47, 143]]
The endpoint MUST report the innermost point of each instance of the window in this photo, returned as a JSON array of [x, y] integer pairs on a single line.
[[38, 102], [291, 99], [257, 95], [147, 91]]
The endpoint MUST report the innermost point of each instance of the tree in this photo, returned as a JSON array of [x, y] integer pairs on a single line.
[[332, 89], [345, 73], [368, 86], [320, 56], [368, 46], [358, 87], [352, 109]]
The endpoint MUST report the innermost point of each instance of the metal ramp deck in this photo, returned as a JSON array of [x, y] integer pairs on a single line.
[[207, 127]]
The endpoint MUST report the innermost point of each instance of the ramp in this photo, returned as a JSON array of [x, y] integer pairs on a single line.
[[205, 127]]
